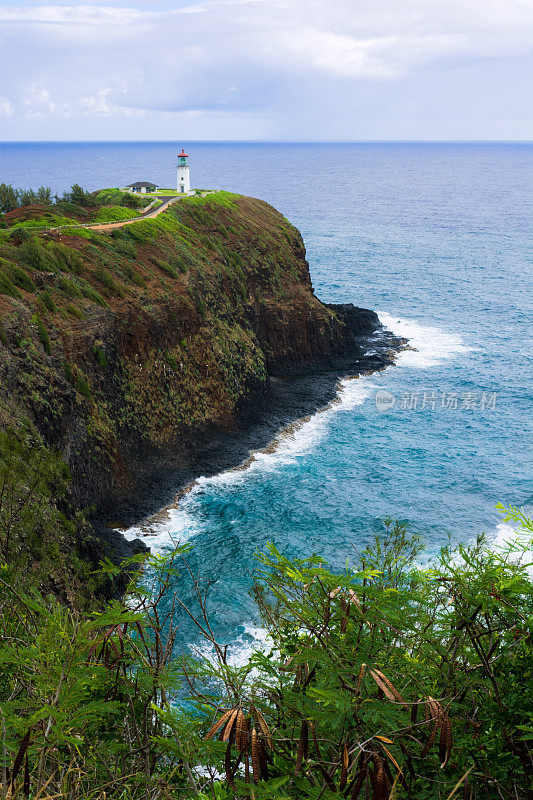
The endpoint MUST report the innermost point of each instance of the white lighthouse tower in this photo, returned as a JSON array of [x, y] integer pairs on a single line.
[[184, 182]]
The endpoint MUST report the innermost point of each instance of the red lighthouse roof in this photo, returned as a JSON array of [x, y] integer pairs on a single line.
[[183, 154]]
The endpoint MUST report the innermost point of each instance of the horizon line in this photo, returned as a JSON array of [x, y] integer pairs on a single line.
[[267, 141]]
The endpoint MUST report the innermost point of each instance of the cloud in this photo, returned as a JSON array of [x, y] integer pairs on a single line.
[[243, 56], [7, 108]]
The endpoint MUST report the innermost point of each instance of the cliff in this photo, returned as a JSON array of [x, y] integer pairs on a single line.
[[138, 349]]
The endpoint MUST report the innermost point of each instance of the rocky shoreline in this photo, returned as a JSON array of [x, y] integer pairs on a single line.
[[284, 400]]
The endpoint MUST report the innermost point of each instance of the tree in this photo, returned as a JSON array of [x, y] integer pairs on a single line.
[[8, 197]]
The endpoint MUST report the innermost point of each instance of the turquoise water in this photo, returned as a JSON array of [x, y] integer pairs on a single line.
[[434, 237]]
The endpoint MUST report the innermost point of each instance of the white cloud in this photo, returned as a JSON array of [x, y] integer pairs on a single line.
[[243, 56], [38, 102]]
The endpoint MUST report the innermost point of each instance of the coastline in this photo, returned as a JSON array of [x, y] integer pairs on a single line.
[[288, 398]]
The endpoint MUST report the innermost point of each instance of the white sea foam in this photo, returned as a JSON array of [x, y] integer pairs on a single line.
[[517, 542], [242, 647], [171, 525], [177, 522], [296, 439], [431, 345]]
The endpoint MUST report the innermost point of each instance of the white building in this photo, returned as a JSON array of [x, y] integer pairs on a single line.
[[141, 187], [184, 181]]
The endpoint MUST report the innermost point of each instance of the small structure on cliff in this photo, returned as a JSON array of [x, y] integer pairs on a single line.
[[141, 187], [184, 181]]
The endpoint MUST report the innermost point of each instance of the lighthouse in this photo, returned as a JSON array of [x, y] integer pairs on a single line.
[[184, 183]]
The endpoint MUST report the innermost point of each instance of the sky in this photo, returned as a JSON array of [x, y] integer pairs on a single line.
[[293, 70]]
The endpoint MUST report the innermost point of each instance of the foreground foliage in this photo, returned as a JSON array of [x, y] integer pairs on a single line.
[[382, 681]]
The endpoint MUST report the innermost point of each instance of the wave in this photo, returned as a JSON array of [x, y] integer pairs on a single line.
[[177, 523], [171, 526], [517, 542], [241, 649], [431, 345]]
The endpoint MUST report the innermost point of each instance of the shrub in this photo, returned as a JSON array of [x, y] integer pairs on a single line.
[[99, 354], [171, 360], [67, 257], [82, 385], [75, 311], [69, 287], [126, 248], [7, 286], [134, 277], [14, 276], [69, 372], [107, 280], [21, 278], [379, 680], [42, 333], [200, 307], [166, 267], [32, 253], [48, 301], [90, 293]]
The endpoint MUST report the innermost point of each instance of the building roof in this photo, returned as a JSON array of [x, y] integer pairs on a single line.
[[139, 184], [183, 154]]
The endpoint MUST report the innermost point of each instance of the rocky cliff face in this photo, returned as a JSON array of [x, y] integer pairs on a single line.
[[131, 349]]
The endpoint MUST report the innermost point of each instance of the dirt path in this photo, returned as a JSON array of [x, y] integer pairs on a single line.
[[107, 226]]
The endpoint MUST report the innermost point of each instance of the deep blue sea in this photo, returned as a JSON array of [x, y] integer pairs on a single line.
[[434, 237]]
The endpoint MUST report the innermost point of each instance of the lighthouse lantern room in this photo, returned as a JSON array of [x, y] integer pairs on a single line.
[[184, 183]]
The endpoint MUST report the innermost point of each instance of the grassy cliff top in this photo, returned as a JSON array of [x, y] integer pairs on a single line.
[[60, 276]]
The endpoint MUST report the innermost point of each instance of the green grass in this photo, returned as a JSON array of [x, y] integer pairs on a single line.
[[115, 214]]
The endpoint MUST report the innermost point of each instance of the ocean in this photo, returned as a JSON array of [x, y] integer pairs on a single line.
[[434, 237]]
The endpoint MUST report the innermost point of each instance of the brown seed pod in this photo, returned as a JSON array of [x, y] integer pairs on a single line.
[[227, 766], [345, 760], [218, 724], [303, 746], [388, 689], [445, 743], [255, 744], [261, 724], [228, 730], [240, 731]]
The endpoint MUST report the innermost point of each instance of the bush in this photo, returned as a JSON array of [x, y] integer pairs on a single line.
[[107, 280], [99, 354], [16, 276], [48, 301], [69, 372], [80, 197], [42, 333], [90, 293], [201, 308], [126, 248], [82, 385], [166, 267], [75, 311], [69, 287], [7, 286], [134, 277]]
